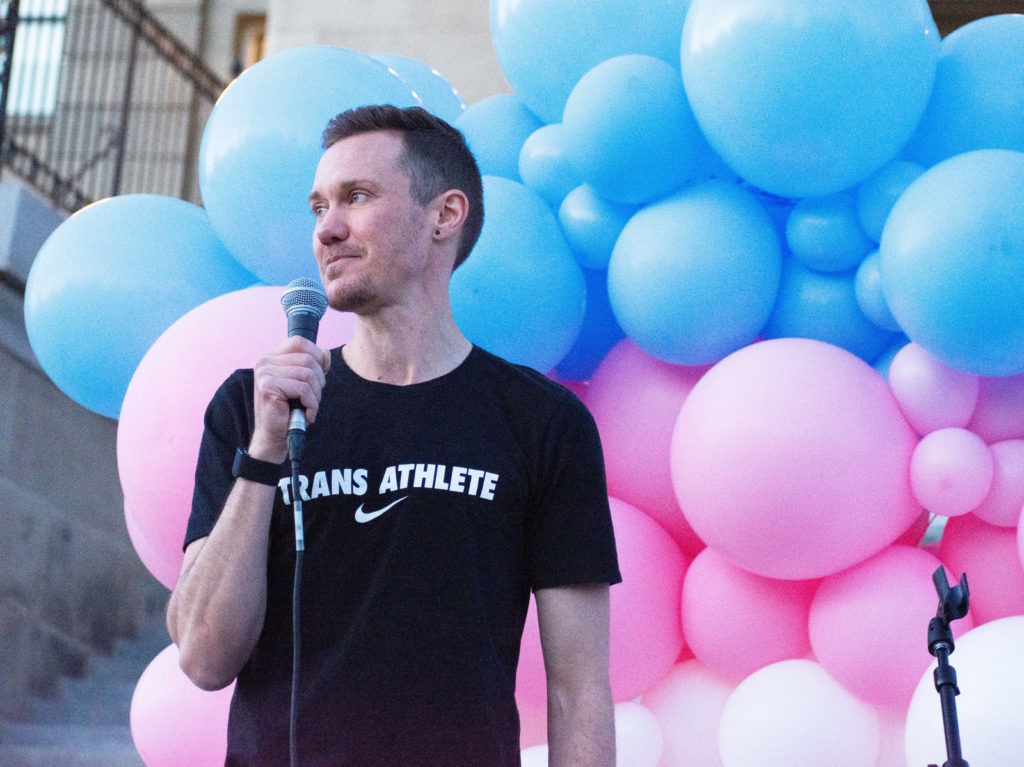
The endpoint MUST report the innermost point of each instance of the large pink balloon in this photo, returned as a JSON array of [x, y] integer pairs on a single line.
[[646, 629], [735, 622], [161, 420], [931, 394], [868, 625], [635, 400], [989, 556], [790, 457], [951, 471], [1002, 506], [175, 723]]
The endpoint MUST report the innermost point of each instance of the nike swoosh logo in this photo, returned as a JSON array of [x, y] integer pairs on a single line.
[[362, 517]]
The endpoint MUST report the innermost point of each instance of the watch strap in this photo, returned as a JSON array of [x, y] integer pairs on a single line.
[[255, 470]]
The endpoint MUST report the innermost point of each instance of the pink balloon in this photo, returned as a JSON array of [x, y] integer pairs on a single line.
[[173, 722], [689, 702], [736, 622], [869, 625], [999, 414], [790, 457], [646, 630], [931, 394], [635, 400], [161, 422], [989, 556], [951, 471], [1003, 504], [793, 713]]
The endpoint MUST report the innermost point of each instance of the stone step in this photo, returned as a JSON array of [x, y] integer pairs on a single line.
[[29, 744]]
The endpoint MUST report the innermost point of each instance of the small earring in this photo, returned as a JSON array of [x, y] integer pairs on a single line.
[[437, 232]]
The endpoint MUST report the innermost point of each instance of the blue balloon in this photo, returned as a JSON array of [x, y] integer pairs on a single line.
[[824, 233], [261, 146], [437, 94], [544, 164], [693, 277], [496, 129], [978, 98], [109, 280], [823, 306], [520, 294], [545, 47], [953, 262], [803, 97], [629, 130], [883, 361], [592, 224], [877, 195], [600, 331], [867, 286]]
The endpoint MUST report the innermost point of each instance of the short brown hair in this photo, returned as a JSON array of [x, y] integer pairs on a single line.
[[436, 157]]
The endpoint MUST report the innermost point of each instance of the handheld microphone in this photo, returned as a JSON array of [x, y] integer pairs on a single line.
[[304, 304]]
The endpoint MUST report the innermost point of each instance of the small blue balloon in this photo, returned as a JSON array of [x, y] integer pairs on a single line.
[[592, 224], [878, 193], [870, 296], [261, 146], [693, 277], [802, 97], [545, 47], [823, 306], [109, 280], [520, 294], [978, 98], [824, 233], [544, 164], [600, 331], [437, 94], [953, 262], [629, 130], [496, 129]]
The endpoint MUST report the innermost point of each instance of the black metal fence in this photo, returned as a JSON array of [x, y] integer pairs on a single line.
[[99, 99]]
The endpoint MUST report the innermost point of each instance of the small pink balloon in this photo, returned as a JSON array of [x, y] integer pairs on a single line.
[[735, 622], [689, 702], [951, 471], [868, 625], [931, 395], [1003, 504], [173, 722], [790, 457], [161, 421], [999, 414], [646, 628], [635, 399], [989, 556]]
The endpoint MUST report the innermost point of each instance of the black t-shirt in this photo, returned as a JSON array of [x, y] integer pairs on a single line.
[[430, 512]]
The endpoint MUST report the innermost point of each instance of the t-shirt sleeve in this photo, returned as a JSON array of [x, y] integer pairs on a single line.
[[227, 426], [570, 539]]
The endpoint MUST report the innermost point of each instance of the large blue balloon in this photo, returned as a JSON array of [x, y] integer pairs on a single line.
[[600, 331], [521, 293], [261, 146], [953, 262], [496, 129], [109, 280], [545, 47], [694, 276], [437, 94], [804, 97], [823, 306], [629, 131], [978, 98]]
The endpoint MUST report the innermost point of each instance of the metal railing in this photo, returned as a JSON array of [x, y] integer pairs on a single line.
[[99, 99]]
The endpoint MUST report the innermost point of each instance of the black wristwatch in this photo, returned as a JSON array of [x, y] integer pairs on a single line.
[[255, 470]]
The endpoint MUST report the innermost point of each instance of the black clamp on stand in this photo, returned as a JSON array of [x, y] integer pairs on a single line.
[[953, 603]]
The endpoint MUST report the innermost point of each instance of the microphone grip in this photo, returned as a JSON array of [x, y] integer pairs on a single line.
[[303, 324]]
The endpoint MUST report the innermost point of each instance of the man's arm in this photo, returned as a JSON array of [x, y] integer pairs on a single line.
[[574, 636]]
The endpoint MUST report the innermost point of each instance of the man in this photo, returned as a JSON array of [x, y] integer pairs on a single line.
[[442, 484]]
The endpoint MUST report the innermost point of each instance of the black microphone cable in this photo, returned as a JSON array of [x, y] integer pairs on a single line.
[[304, 304]]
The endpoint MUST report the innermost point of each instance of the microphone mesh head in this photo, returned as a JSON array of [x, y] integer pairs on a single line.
[[304, 295]]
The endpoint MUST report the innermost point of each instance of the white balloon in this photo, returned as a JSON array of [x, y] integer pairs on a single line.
[[987, 663], [534, 756], [638, 736], [689, 704]]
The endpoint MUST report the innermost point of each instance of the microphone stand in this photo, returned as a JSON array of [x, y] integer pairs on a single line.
[[953, 604]]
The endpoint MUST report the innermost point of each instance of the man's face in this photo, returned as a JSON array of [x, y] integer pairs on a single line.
[[371, 239]]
